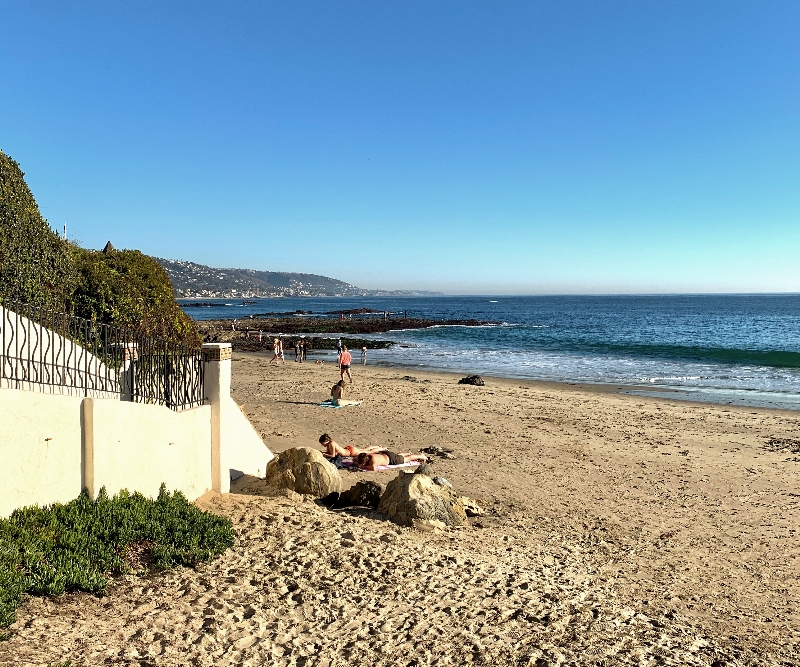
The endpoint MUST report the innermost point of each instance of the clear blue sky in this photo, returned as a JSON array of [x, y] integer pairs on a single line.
[[493, 147]]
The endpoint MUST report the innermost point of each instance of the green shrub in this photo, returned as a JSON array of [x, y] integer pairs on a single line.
[[36, 265], [78, 546], [129, 289]]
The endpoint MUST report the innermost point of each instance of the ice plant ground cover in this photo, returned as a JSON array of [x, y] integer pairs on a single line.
[[80, 545]]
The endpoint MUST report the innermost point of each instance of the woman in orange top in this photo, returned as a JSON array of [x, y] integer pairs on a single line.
[[344, 363]]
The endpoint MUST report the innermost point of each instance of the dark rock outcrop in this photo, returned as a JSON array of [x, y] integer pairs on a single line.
[[362, 494]]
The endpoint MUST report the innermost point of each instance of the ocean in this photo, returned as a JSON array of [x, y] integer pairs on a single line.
[[728, 349]]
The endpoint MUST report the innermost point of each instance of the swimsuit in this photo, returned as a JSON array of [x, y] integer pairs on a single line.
[[394, 459]]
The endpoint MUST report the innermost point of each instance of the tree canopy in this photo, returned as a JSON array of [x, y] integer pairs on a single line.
[[120, 287]]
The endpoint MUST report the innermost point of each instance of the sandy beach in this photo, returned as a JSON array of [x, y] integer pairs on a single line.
[[619, 530]]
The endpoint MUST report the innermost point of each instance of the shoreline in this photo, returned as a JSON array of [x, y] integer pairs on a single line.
[[619, 388]]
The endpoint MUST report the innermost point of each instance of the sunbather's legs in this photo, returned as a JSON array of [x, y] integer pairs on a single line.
[[411, 458]]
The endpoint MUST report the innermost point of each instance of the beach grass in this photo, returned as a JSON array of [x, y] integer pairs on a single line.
[[80, 545]]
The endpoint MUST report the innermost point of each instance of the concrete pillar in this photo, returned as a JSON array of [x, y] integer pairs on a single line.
[[217, 380]]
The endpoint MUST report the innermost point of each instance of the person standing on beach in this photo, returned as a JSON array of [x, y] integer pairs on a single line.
[[297, 356], [364, 356], [339, 353], [344, 364], [304, 349], [275, 355]]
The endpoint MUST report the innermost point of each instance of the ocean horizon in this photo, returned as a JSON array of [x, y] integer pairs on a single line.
[[738, 349]]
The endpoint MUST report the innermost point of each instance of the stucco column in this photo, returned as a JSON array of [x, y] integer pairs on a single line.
[[217, 380]]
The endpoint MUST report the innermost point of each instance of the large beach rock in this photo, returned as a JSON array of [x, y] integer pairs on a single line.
[[416, 499], [475, 380], [303, 470]]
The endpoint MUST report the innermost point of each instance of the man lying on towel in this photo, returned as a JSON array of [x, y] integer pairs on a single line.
[[383, 457]]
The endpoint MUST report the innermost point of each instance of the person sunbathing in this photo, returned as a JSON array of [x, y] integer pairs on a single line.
[[383, 457], [333, 448], [337, 395]]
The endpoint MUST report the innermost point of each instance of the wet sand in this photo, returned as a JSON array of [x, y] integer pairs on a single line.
[[619, 530]]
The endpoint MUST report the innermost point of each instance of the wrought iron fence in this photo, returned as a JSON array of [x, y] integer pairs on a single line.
[[49, 351]]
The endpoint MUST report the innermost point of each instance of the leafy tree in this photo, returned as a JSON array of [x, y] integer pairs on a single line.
[[36, 266], [122, 287], [129, 289]]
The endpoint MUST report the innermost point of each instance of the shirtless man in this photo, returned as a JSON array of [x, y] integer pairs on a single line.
[[383, 457]]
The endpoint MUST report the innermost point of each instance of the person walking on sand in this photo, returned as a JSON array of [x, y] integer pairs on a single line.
[[304, 345], [364, 356], [338, 353], [297, 350], [344, 363], [277, 351]]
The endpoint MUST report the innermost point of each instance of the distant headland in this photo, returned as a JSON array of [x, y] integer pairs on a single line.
[[197, 281]]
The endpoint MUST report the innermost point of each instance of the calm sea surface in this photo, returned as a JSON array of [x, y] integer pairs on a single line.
[[726, 349]]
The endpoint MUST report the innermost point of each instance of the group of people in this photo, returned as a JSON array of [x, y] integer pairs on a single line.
[[371, 458], [344, 359], [301, 348]]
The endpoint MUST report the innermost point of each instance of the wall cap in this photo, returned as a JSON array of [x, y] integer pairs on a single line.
[[216, 351]]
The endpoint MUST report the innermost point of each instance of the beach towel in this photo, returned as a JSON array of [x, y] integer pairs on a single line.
[[329, 404], [410, 464], [349, 463]]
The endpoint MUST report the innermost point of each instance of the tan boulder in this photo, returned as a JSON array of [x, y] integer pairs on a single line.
[[303, 470], [416, 499], [471, 506]]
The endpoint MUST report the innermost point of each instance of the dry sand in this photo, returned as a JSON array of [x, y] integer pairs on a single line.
[[620, 530]]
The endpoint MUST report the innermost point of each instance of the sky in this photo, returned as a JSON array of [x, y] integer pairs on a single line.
[[465, 147]]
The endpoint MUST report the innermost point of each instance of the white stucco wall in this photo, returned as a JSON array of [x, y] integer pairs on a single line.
[[54, 445], [137, 447], [40, 449], [244, 449]]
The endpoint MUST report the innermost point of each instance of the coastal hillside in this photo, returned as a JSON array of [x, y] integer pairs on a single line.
[[192, 281]]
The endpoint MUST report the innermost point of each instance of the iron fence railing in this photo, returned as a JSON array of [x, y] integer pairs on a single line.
[[50, 351]]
